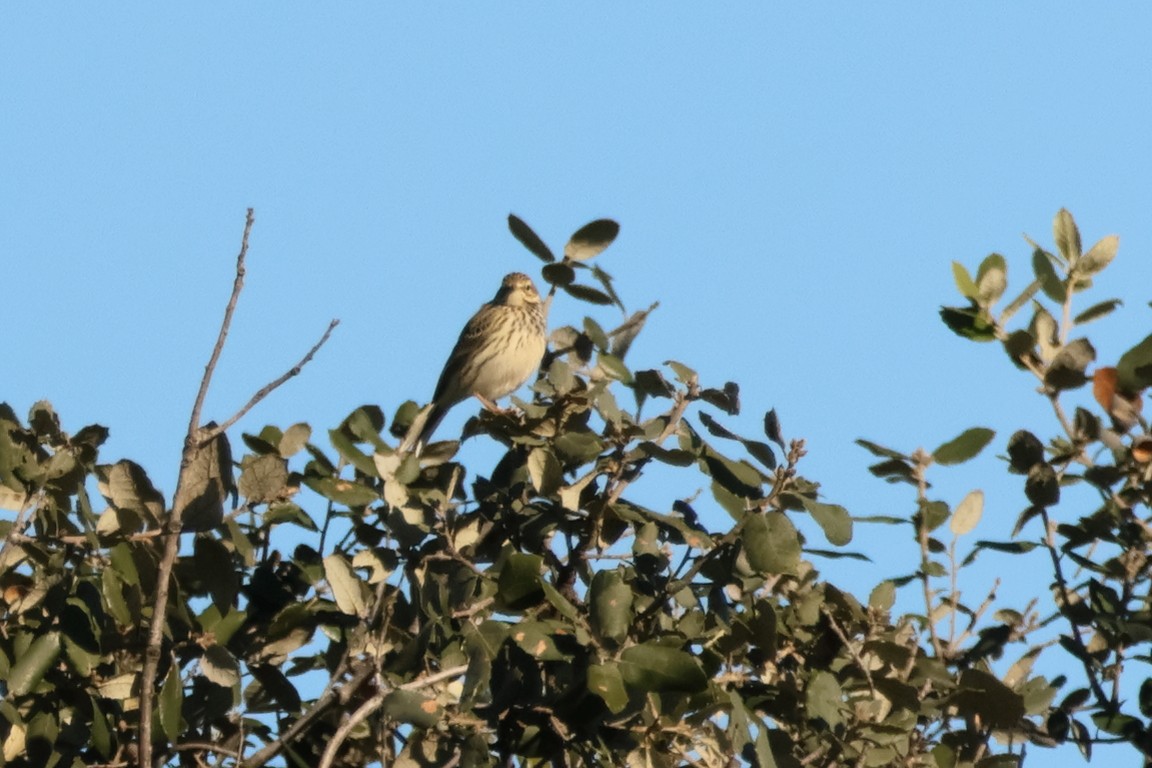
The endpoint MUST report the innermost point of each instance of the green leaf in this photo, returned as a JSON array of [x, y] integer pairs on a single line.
[[529, 239], [587, 293], [981, 694], [1099, 256], [1050, 282], [347, 588], [519, 581], [991, 280], [879, 450], [883, 596], [559, 274], [545, 471], [964, 446], [294, 438], [832, 518], [1097, 311], [969, 322], [262, 478], [610, 600], [1042, 486], [591, 239], [967, 513], [412, 707], [1067, 369], [31, 665], [1024, 451], [171, 700], [771, 543], [964, 282], [1067, 236], [823, 698], [220, 666], [605, 681], [651, 667], [1134, 369]]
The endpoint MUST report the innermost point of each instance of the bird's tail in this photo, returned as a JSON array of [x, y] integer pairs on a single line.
[[422, 428]]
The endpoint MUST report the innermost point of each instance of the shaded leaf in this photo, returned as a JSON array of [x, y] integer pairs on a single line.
[[651, 667], [411, 707], [605, 681], [1097, 311], [30, 666], [1024, 451], [1050, 282], [1067, 369], [1134, 369], [610, 601], [171, 700], [587, 293], [529, 239], [591, 239]]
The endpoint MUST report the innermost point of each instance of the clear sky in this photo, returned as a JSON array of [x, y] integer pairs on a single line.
[[792, 180]]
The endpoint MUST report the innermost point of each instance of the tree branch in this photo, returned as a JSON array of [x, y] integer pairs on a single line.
[[173, 524]]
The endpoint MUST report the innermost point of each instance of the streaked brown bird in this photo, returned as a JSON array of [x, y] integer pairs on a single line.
[[498, 350]]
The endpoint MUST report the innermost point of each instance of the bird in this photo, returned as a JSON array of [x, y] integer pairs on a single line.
[[497, 352]]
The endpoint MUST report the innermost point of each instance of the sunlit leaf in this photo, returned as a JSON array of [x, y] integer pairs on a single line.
[[591, 239]]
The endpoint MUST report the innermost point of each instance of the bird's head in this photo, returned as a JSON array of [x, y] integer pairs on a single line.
[[517, 290]]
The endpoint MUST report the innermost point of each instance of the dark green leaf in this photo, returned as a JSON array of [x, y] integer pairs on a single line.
[[982, 694], [559, 274], [610, 601], [30, 666], [519, 581], [823, 698], [1134, 370], [171, 700], [964, 446], [605, 681], [411, 707], [1042, 486], [529, 239], [587, 293], [772, 429], [1050, 282], [969, 322], [651, 667], [1097, 311], [1067, 369], [881, 451], [591, 239], [1024, 451]]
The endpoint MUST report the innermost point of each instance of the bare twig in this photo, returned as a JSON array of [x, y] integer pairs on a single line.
[[174, 522], [195, 439], [360, 715], [268, 388], [922, 460]]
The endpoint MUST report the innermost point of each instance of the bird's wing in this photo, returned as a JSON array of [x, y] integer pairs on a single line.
[[476, 328]]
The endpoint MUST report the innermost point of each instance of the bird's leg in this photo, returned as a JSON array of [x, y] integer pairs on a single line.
[[491, 406]]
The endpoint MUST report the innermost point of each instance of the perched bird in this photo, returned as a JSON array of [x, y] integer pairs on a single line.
[[498, 350]]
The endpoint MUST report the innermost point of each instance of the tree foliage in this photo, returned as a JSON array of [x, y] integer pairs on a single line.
[[327, 600]]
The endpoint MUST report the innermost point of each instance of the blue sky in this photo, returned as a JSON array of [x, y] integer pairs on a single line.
[[792, 180]]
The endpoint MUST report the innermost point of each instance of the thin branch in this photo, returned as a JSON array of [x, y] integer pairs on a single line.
[[174, 522], [360, 715], [840, 633], [225, 325], [443, 674], [331, 697], [922, 460], [268, 388]]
